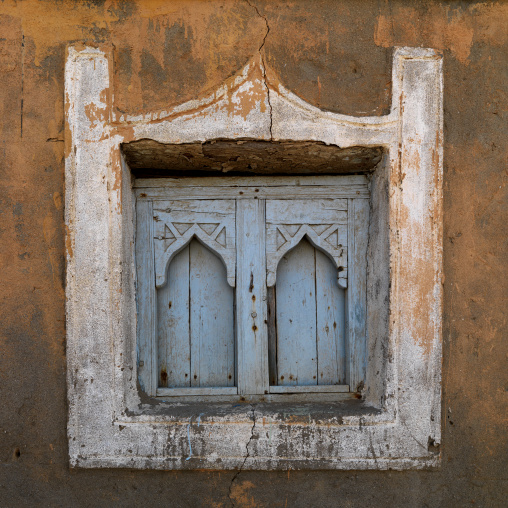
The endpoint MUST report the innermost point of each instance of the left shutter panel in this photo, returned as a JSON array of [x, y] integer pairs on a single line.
[[195, 265]]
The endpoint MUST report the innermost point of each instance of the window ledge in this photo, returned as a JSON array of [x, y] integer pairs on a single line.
[[339, 412]]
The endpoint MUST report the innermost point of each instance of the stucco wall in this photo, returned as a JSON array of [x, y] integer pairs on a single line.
[[337, 56]]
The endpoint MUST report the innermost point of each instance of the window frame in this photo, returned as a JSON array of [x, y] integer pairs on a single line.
[[251, 195], [397, 424]]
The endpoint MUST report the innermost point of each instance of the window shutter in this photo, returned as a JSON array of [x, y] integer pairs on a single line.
[[262, 292]]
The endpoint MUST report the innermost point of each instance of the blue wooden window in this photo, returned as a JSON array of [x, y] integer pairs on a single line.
[[251, 286]]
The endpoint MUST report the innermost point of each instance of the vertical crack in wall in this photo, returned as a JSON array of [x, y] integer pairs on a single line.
[[263, 63], [247, 455]]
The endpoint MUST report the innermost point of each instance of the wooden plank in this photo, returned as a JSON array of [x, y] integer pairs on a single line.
[[173, 324], [252, 332], [310, 389], [313, 211], [330, 323], [245, 193], [211, 320], [196, 210], [296, 317], [272, 335], [192, 392], [312, 397], [356, 344], [188, 395], [146, 299], [253, 181]]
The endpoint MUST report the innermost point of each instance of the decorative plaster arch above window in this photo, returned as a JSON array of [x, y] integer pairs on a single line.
[[111, 424]]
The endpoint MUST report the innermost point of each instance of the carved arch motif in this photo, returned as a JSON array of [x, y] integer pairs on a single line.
[[323, 222], [176, 223]]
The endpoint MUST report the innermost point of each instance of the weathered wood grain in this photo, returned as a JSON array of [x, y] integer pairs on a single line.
[[310, 327], [147, 299], [196, 392], [350, 182], [272, 334], [296, 335], [330, 323], [296, 317], [173, 308], [150, 158], [251, 317], [212, 334], [358, 226], [310, 389], [250, 192]]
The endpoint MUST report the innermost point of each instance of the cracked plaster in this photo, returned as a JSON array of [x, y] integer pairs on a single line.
[[247, 455], [111, 424]]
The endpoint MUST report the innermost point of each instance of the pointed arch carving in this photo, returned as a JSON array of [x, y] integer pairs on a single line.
[[323, 222], [176, 223]]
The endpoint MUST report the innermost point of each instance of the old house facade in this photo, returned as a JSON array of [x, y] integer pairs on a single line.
[[172, 172]]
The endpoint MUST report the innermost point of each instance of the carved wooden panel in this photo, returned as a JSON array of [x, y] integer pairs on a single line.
[[195, 322], [177, 222], [310, 320], [323, 221]]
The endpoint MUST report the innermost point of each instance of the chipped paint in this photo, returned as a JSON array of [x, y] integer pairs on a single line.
[[100, 208], [325, 53]]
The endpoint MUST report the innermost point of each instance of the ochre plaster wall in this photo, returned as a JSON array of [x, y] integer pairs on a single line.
[[335, 55]]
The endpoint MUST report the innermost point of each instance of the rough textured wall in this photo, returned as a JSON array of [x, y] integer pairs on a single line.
[[337, 56]]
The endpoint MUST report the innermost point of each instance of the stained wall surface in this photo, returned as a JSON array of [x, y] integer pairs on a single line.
[[337, 56]]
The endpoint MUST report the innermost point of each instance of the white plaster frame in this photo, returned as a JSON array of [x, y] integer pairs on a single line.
[[110, 423]]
